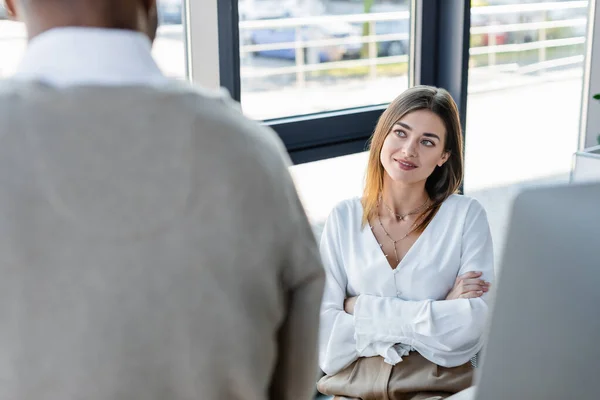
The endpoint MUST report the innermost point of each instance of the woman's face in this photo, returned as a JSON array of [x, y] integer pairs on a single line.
[[414, 147]]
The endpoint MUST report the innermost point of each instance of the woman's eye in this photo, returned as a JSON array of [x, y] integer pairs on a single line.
[[400, 133], [428, 143]]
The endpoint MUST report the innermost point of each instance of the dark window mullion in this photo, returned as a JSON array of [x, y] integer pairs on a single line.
[[442, 49], [424, 41], [327, 129], [442, 42], [229, 47], [455, 36]]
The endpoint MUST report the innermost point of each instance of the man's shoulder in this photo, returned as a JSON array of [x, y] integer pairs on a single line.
[[210, 115], [216, 113], [221, 130], [239, 132]]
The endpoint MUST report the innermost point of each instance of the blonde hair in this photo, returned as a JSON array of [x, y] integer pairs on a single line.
[[445, 180]]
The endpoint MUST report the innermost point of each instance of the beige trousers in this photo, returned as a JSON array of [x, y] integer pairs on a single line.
[[415, 378]]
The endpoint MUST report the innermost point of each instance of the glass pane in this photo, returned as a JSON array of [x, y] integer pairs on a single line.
[[12, 43], [169, 48], [309, 56], [322, 184], [525, 88]]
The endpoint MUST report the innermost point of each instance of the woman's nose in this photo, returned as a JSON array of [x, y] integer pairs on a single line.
[[410, 149]]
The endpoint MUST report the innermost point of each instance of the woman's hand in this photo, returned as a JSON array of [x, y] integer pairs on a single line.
[[349, 304], [468, 286]]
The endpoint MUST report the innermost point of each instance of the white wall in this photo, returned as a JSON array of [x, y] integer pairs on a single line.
[[590, 124], [203, 42]]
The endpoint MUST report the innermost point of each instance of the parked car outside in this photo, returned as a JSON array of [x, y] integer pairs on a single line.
[[382, 27], [336, 30], [251, 10], [392, 47], [170, 11]]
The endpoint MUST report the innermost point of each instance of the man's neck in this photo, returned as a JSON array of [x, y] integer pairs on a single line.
[[43, 19]]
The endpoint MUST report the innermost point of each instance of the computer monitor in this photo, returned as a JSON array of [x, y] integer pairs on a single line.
[[544, 334]]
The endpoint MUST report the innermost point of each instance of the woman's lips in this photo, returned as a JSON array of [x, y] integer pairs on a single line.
[[406, 165]]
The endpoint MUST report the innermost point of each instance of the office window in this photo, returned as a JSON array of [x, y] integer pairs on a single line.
[[524, 100], [525, 88], [12, 43], [169, 48], [301, 57]]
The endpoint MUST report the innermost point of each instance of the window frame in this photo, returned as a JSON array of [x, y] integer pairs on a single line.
[[439, 56], [591, 79], [201, 27]]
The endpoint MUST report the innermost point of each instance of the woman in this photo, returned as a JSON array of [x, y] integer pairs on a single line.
[[408, 264]]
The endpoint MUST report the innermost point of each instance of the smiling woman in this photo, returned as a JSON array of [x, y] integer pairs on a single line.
[[405, 142], [425, 110], [408, 265]]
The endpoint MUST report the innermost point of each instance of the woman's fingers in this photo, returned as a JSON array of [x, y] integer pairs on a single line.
[[471, 295], [474, 288], [470, 285], [480, 282]]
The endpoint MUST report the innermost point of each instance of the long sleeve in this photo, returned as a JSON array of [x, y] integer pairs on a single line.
[[448, 333], [296, 371], [337, 345]]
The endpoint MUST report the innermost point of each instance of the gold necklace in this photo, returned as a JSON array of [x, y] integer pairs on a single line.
[[411, 230], [400, 217]]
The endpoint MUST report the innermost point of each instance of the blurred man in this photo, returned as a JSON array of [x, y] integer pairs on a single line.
[[152, 244]]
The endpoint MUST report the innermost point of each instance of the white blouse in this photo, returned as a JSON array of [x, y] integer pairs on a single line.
[[403, 309]]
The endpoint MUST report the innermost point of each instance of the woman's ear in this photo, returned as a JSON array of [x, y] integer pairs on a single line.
[[444, 158]]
